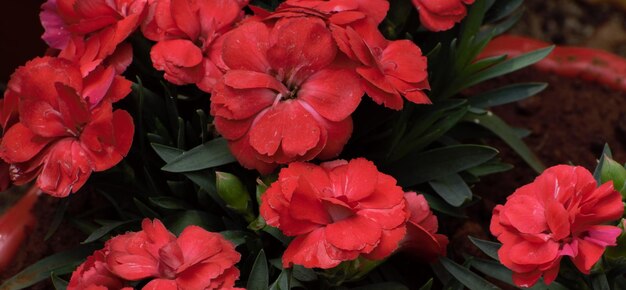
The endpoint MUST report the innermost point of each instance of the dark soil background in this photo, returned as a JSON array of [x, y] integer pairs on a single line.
[[570, 121]]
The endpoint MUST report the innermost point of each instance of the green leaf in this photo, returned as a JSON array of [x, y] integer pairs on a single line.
[[168, 202], [599, 282], [606, 151], [58, 283], [613, 171], [507, 66], [505, 95], [283, 282], [432, 164], [105, 229], [493, 269], [208, 155], [452, 188], [236, 237], [259, 275], [490, 168], [437, 204], [41, 269], [509, 136], [502, 9], [428, 285], [178, 222], [470, 279], [145, 210], [488, 247]]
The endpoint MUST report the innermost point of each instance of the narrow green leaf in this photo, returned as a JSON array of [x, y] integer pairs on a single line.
[[211, 154], [145, 210], [259, 275], [507, 66], [432, 164], [236, 237], [452, 188], [437, 204], [505, 95], [41, 269], [509, 136], [178, 222], [470, 279], [502, 9], [606, 151], [168, 202], [488, 247], [105, 229], [58, 283], [483, 64], [283, 282], [493, 269], [428, 285], [613, 171], [490, 168]]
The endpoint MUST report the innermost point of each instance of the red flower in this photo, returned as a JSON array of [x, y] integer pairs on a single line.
[[336, 212], [440, 15], [285, 98], [189, 38], [104, 24], [94, 274], [341, 12], [559, 214], [389, 69], [197, 259], [421, 238], [67, 127]]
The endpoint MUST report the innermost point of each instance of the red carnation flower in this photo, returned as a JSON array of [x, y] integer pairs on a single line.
[[197, 259], [440, 15], [189, 38], [94, 274], [105, 22], [67, 127], [336, 212], [340, 12], [421, 238], [559, 214], [284, 98], [389, 69]]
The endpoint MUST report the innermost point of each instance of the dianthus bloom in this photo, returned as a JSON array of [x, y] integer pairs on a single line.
[[285, 98], [559, 214], [95, 274], [94, 29], [67, 127], [189, 35], [421, 238], [337, 212], [440, 15], [197, 259]]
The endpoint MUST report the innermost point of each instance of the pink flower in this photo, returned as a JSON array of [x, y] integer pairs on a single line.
[[421, 238], [197, 259], [188, 35], [336, 212], [94, 274], [284, 98], [559, 214], [440, 15]]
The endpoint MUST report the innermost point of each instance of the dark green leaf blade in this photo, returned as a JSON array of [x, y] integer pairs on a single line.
[[259, 276], [488, 247], [505, 95], [428, 165], [208, 155], [452, 188], [470, 279]]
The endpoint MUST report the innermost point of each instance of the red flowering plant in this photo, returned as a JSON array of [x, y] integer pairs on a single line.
[[265, 144]]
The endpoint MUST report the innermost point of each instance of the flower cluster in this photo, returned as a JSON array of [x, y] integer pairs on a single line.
[[293, 78], [559, 214], [342, 210], [197, 259]]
